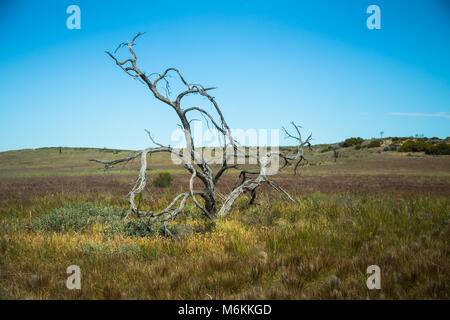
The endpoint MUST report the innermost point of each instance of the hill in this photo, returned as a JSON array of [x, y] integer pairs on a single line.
[[57, 161]]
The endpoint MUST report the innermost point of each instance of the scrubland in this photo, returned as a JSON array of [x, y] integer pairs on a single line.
[[367, 208]]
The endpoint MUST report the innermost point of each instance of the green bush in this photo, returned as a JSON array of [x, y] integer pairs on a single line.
[[138, 228], [407, 146], [352, 142], [422, 146], [79, 217], [76, 217], [374, 144], [113, 230], [440, 149], [399, 139], [163, 180]]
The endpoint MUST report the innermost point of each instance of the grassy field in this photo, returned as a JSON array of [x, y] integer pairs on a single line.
[[369, 207]]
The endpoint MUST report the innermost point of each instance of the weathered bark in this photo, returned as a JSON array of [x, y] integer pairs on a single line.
[[193, 162]]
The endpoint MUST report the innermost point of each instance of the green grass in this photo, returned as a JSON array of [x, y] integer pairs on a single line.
[[276, 250], [316, 248], [48, 162]]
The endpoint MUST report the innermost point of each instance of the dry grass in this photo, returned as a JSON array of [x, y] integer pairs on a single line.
[[316, 248]]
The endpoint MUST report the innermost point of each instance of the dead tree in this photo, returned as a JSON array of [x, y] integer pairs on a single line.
[[335, 153], [198, 167]]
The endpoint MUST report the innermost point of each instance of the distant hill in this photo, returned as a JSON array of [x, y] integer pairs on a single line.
[[75, 161]]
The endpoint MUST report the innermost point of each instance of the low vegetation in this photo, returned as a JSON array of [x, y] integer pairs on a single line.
[[77, 218], [163, 180], [387, 209], [318, 247], [374, 144], [427, 147], [350, 142]]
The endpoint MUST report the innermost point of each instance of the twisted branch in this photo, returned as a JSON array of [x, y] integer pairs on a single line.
[[196, 165]]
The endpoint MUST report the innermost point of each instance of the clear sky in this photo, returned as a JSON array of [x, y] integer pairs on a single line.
[[314, 62]]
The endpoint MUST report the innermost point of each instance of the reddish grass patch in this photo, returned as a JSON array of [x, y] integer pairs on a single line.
[[93, 186]]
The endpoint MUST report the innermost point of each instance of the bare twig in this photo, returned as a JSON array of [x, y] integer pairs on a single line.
[[198, 167]]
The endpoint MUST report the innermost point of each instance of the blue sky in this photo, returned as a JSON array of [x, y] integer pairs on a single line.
[[314, 62]]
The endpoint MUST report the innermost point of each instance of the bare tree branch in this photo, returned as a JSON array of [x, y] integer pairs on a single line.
[[198, 167]]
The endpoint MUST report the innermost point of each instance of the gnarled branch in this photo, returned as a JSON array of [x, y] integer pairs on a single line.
[[194, 163]]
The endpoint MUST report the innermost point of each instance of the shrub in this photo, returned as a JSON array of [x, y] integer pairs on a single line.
[[407, 146], [358, 146], [76, 217], [114, 229], [443, 148], [352, 142], [422, 146], [79, 217], [138, 228], [163, 180], [414, 146], [374, 144], [440, 149]]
